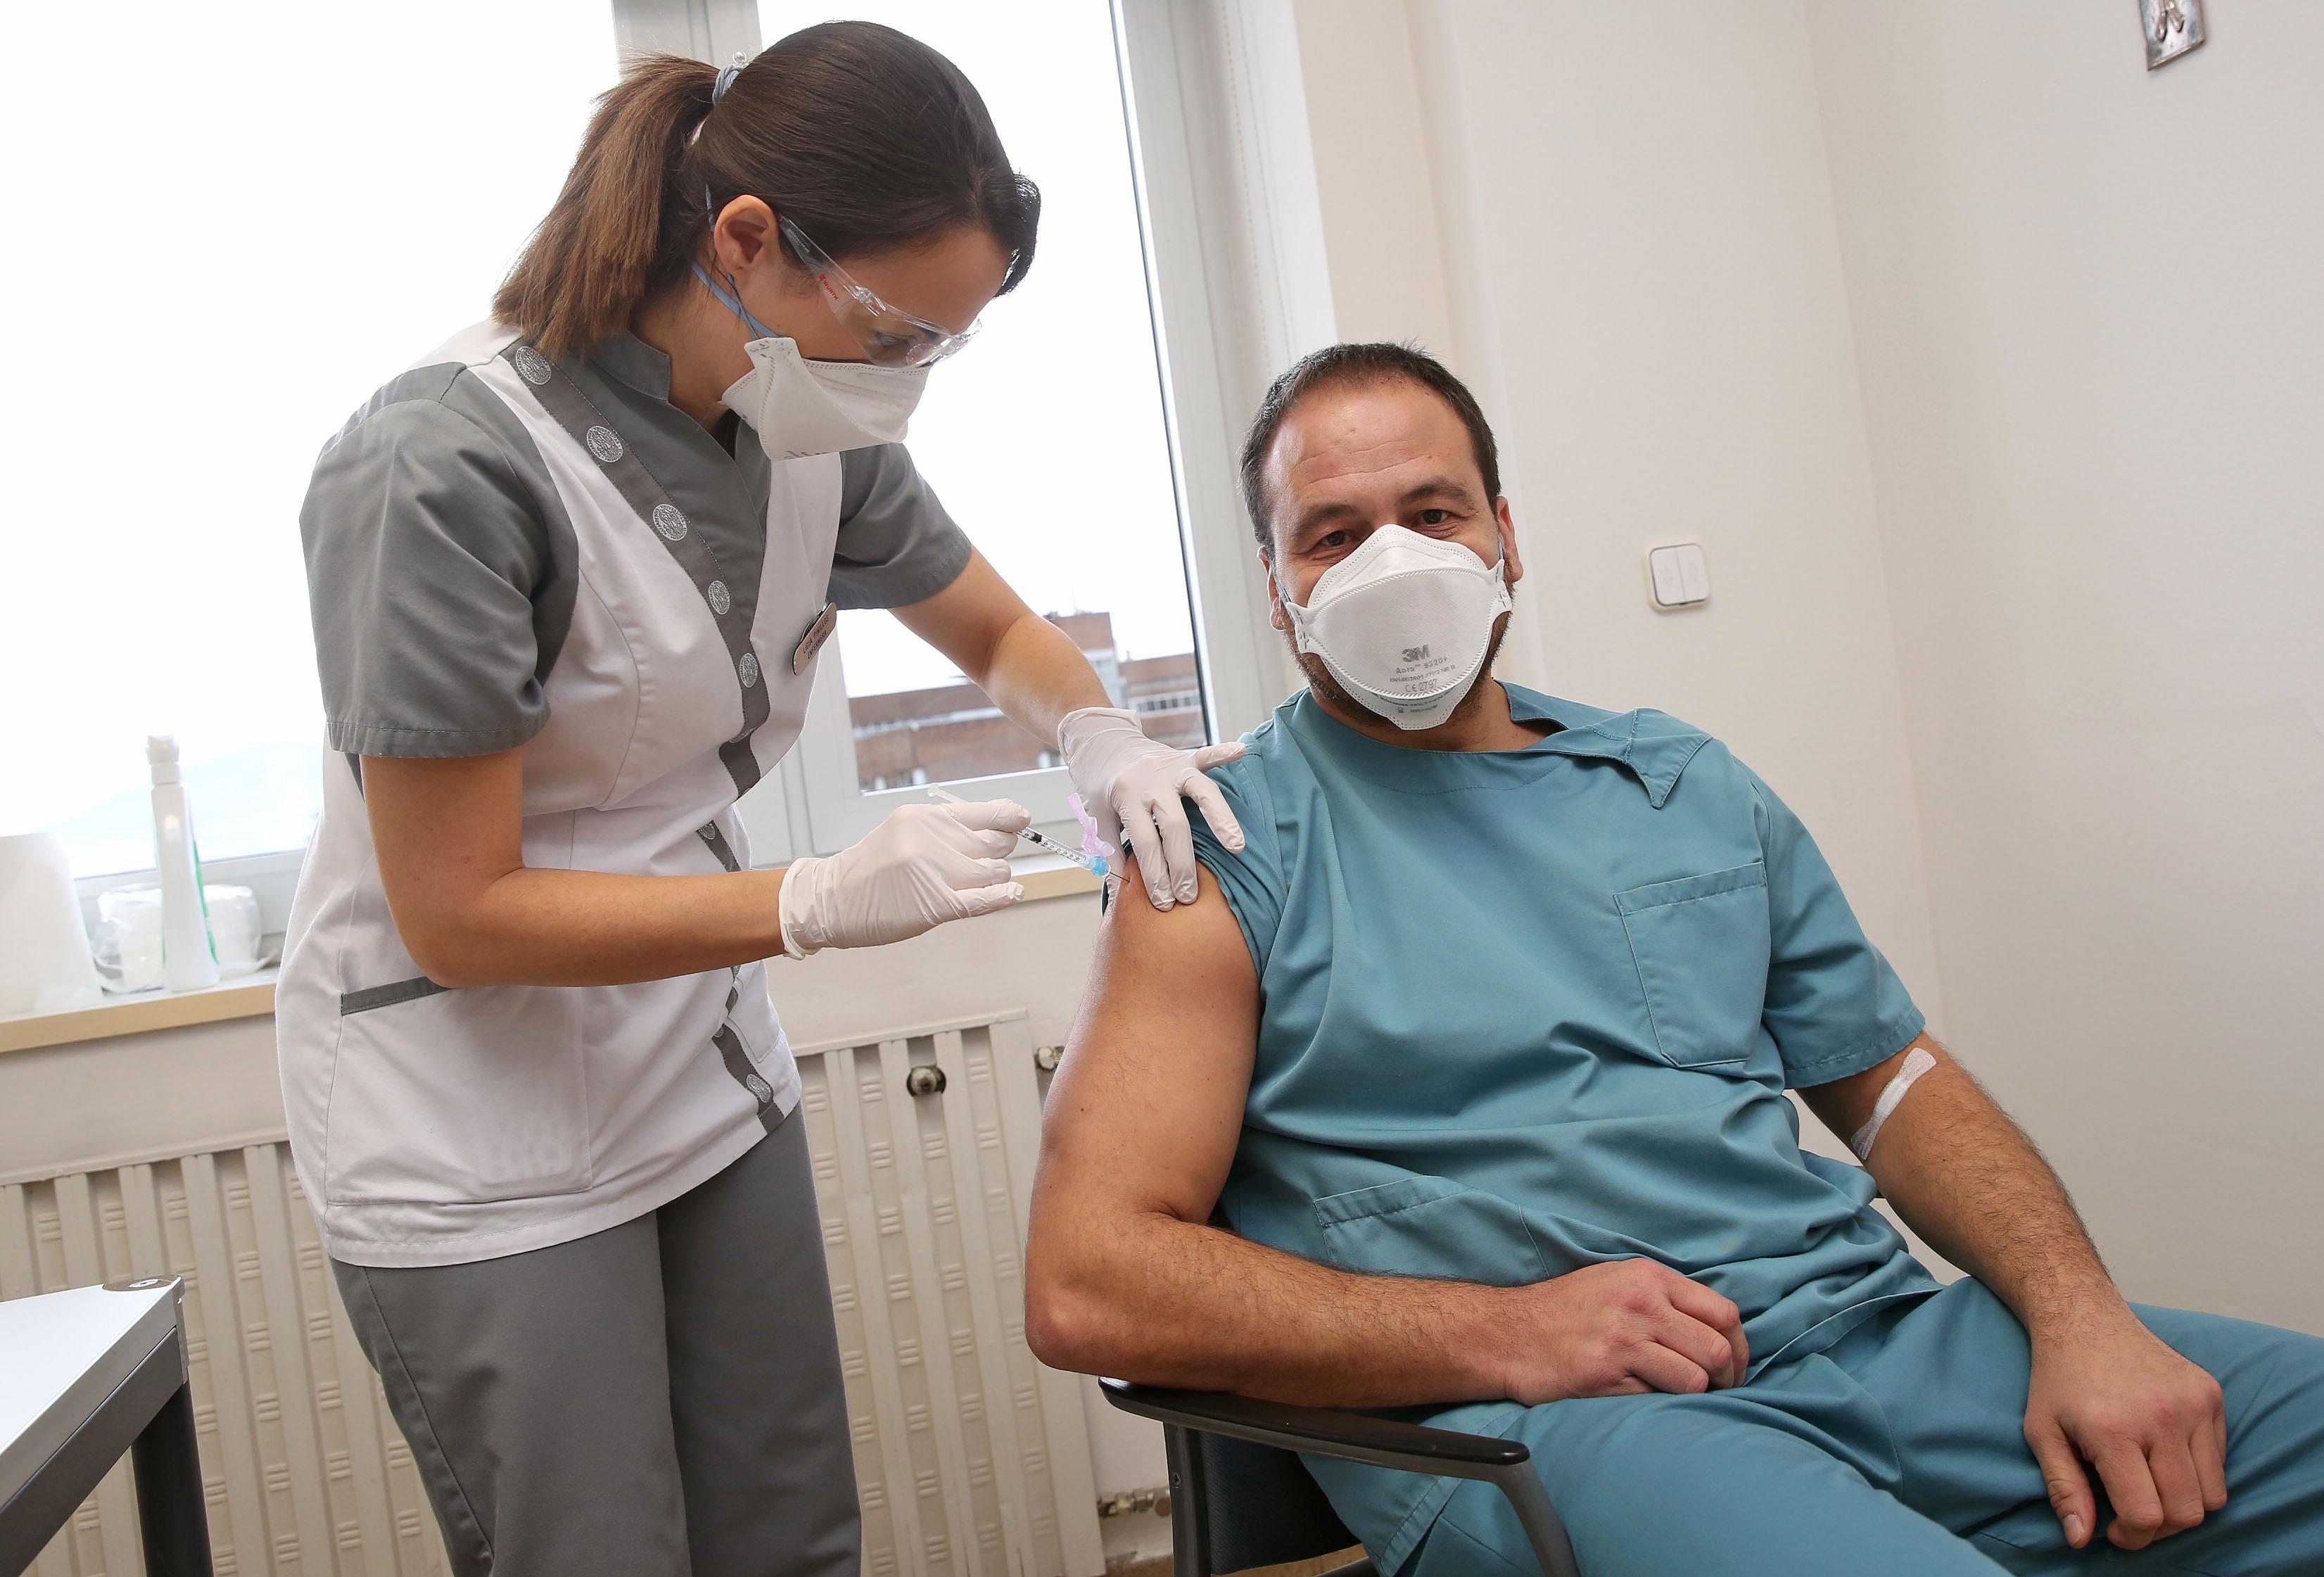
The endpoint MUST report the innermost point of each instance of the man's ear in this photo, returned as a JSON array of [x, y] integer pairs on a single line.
[[1274, 613], [1514, 564]]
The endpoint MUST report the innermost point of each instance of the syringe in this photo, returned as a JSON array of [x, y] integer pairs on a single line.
[[1046, 843]]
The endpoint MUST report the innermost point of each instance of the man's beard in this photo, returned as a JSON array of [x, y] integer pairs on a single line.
[[1327, 686]]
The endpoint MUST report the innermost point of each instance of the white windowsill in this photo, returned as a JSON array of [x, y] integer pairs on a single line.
[[250, 996], [1044, 876]]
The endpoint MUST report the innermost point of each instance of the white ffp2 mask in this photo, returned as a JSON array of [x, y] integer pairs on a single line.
[[799, 407], [1402, 622]]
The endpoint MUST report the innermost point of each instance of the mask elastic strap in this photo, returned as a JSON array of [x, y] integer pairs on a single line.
[[1291, 610], [731, 301], [1504, 593]]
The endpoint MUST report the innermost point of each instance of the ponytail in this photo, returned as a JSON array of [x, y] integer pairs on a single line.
[[814, 126], [593, 259]]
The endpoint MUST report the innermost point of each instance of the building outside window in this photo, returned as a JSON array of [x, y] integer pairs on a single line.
[[944, 732]]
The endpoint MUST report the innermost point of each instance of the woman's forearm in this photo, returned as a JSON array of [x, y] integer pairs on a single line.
[[1032, 669], [450, 835], [1037, 675], [591, 928]]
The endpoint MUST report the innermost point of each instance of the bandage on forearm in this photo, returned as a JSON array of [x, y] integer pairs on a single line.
[[1916, 1062]]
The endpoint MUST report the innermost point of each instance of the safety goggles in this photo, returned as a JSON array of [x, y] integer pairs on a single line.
[[890, 337]]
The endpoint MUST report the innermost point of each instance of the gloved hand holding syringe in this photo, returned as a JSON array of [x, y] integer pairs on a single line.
[[1096, 865]]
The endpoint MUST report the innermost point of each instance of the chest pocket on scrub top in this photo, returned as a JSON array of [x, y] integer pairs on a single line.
[[1700, 943]]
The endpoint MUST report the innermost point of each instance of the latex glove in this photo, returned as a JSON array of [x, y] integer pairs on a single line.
[[1131, 783], [924, 865]]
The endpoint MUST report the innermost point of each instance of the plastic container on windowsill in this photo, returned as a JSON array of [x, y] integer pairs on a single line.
[[127, 937]]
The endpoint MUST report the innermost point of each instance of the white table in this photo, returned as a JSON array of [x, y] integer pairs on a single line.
[[86, 1375]]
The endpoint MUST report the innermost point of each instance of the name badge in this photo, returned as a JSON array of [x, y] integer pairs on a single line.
[[803, 654]]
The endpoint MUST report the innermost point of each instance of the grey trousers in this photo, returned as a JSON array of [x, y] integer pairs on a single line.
[[660, 1399]]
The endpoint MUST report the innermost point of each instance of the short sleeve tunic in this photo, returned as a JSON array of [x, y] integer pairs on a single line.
[[509, 553]]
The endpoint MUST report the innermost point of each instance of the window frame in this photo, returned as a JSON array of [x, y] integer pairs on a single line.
[[1220, 179]]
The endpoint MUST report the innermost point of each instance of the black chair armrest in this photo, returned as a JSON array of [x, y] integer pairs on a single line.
[[1388, 1443], [1325, 1431]]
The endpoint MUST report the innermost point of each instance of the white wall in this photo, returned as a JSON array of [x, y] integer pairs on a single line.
[[1616, 223], [2088, 305], [1986, 365], [1384, 237]]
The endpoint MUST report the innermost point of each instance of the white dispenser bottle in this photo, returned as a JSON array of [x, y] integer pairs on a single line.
[[189, 962]]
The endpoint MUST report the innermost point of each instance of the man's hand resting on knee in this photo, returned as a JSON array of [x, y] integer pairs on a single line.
[[1126, 1276], [2154, 1425], [2104, 1389]]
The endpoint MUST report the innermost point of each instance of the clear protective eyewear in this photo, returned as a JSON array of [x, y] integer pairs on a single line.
[[890, 337]]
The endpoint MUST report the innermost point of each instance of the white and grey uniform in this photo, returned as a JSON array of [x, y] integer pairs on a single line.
[[596, 1300], [506, 553]]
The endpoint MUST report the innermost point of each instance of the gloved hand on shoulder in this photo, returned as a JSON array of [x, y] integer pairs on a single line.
[[1132, 784]]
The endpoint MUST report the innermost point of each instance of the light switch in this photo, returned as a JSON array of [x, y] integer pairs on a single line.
[[1678, 575]]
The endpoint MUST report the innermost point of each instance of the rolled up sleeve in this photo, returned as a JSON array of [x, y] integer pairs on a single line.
[[1251, 878]]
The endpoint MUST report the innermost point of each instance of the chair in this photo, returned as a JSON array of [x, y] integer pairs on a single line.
[[1240, 1497]]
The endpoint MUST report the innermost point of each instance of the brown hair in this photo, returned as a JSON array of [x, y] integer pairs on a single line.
[[1353, 365], [866, 138]]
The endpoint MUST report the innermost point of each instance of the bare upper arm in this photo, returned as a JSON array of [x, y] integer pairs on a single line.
[[967, 619], [1146, 1107], [444, 830]]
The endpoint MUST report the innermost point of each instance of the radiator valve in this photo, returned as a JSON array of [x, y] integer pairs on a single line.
[[1130, 1502]]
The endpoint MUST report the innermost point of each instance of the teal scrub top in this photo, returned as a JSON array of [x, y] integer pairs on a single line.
[[1524, 1011]]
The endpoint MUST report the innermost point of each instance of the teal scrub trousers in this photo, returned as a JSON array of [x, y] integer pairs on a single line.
[[1898, 1451]]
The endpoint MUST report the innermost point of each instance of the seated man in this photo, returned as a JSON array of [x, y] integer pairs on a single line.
[[1468, 1100]]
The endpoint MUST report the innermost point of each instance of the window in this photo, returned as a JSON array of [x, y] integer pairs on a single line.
[[265, 222], [231, 228], [1045, 439]]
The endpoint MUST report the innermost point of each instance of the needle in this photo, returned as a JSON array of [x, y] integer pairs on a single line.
[[1046, 843]]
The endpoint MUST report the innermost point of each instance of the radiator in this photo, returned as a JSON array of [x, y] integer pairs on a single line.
[[304, 1469], [971, 1457]]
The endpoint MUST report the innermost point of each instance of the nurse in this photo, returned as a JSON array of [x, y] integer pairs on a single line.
[[570, 575]]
